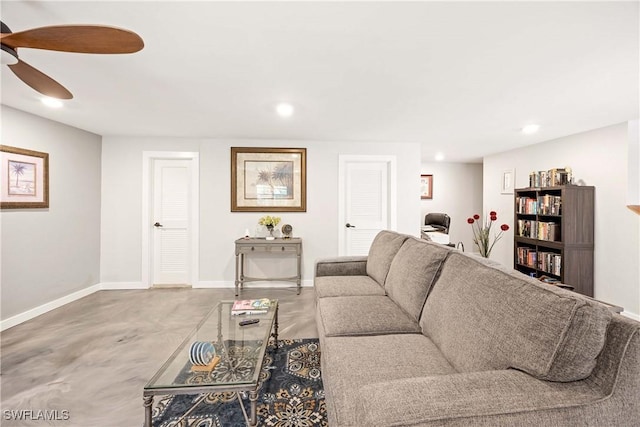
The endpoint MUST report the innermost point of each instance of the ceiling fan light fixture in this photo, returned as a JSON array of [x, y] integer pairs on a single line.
[[51, 102]]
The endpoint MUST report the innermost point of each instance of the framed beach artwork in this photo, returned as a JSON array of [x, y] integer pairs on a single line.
[[426, 186], [268, 179], [24, 182]]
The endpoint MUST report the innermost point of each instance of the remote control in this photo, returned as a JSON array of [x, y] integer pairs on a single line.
[[248, 322]]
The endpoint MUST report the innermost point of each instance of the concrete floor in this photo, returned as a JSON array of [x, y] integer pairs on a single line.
[[93, 357]]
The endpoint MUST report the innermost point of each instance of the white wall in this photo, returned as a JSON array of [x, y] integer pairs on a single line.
[[457, 191], [598, 158], [219, 227], [48, 254], [633, 169]]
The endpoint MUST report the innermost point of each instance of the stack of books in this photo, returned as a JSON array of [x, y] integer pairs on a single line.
[[551, 178], [549, 205], [250, 306]]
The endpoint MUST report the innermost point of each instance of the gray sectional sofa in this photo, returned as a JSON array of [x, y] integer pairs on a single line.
[[419, 334]]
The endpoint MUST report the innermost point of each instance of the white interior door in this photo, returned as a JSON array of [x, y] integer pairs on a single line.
[[171, 215], [367, 201]]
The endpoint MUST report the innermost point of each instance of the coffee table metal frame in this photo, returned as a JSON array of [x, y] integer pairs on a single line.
[[223, 308]]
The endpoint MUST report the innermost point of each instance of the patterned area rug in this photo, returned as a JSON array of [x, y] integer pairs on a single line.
[[290, 395]]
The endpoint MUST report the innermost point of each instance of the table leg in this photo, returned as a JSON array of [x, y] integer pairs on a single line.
[[148, 404], [253, 398], [241, 272], [275, 329], [299, 272]]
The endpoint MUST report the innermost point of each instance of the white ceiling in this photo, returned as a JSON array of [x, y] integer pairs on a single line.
[[461, 78]]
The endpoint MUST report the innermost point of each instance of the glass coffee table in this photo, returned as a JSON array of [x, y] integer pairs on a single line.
[[241, 350]]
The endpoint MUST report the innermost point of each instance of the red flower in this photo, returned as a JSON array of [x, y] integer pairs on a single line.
[[482, 236]]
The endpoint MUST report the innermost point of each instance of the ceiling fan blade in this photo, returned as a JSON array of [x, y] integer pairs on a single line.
[[76, 38], [39, 81]]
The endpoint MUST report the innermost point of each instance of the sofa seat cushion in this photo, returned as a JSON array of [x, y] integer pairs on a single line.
[[353, 362], [383, 249], [482, 318], [337, 286], [363, 315], [412, 273]]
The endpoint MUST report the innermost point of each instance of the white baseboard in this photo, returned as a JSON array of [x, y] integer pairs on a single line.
[[213, 284], [110, 286], [227, 284], [44, 308], [631, 315]]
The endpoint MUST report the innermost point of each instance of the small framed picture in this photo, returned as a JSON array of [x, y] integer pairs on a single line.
[[508, 181], [24, 178], [268, 179], [426, 186]]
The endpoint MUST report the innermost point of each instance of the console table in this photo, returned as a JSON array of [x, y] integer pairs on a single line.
[[255, 245]]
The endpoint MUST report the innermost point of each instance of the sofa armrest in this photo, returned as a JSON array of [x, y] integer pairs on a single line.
[[342, 266], [490, 398]]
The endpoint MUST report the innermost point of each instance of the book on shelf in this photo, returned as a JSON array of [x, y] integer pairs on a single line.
[[547, 279], [550, 262], [550, 178], [549, 231], [527, 256], [549, 205], [254, 306], [526, 205], [544, 205], [539, 230]]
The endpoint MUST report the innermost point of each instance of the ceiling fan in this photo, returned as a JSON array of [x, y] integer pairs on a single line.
[[63, 38]]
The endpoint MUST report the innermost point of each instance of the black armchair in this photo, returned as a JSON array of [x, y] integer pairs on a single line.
[[440, 221]]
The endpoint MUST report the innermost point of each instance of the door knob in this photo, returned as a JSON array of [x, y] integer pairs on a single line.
[[349, 225], [157, 224]]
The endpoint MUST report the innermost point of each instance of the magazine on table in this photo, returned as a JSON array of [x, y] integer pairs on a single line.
[[253, 306]]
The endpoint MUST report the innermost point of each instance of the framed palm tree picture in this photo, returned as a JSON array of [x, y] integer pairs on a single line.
[[24, 178], [268, 179]]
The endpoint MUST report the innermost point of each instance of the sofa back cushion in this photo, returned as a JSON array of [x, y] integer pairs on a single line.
[[482, 318], [412, 272], [383, 249]]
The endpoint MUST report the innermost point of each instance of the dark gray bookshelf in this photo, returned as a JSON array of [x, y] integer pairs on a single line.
[[554, 236]]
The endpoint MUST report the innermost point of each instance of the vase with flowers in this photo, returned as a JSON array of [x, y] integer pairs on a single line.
[[482, 236], [270, 222]]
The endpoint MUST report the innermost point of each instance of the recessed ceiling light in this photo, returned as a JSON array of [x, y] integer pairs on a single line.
[[52, 102], [529, 129], [439, 156], [284, 110]]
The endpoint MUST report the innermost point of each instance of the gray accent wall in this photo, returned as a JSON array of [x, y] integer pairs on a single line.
[[51, 253]]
